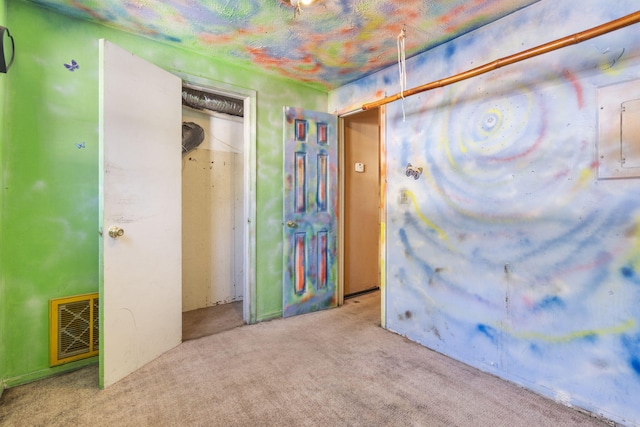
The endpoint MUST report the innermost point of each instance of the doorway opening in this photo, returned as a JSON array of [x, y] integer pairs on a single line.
[[213, 212], [361, 194]]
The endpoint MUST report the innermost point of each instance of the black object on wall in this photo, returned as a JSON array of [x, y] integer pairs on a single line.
[[192, 136], [7, 51]]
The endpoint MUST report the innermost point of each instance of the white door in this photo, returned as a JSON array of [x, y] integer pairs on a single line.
[[140, 196]]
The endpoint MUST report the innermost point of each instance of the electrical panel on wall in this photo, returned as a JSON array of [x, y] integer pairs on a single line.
[[619, 130]]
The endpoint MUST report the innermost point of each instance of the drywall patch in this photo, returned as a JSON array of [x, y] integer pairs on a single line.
[[619, 130]]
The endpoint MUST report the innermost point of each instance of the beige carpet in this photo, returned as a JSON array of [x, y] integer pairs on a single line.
[[333, 368]]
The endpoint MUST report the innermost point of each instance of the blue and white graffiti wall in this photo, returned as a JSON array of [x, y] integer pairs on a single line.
[[508, 253]]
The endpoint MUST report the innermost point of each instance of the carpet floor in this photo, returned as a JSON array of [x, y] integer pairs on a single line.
[[331, 368]]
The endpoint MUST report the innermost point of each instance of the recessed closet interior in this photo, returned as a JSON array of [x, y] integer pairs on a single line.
[[212, 200]]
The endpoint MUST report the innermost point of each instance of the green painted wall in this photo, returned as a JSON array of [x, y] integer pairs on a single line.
[[3, 81], [49, 153]]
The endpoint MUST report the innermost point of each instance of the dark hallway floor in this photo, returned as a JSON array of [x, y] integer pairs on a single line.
[[211, 320]]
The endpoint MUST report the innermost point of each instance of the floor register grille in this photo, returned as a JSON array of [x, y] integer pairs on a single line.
[[74, 328]]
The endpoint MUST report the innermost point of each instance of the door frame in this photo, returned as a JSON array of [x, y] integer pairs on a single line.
[[383, 208], [248, 96]]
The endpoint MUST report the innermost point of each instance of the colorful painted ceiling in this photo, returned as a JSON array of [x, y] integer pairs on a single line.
[[326, 44]]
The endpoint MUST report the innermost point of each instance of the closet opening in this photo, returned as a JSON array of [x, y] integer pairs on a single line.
[[213, 208], [361, 202]]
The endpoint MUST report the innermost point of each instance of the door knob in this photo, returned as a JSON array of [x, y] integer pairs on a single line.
[[115, 231], [292, 224]]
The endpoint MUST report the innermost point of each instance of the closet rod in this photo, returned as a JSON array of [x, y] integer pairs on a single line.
[[616, 24]]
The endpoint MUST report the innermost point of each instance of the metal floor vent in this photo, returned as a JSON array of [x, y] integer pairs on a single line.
[[73, 328]]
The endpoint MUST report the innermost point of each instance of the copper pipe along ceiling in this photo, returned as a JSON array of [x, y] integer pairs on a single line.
[[614, 25]]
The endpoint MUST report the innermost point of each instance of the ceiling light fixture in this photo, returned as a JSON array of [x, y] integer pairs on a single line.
[[297, 4]]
